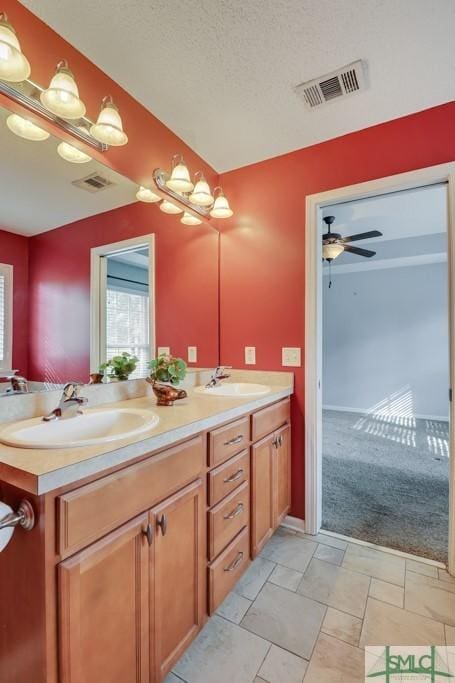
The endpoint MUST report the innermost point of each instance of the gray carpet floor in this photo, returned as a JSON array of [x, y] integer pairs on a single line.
[[385, 480]]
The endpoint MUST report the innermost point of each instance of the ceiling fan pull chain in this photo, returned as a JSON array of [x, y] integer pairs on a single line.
[[330, 274]]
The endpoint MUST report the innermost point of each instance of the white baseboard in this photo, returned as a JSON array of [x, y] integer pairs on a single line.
[[294, 523], [379, 413]]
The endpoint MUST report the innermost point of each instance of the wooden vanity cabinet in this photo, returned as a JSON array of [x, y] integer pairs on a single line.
[[128, 564], [270, 473], [104, 596], [178, 575]]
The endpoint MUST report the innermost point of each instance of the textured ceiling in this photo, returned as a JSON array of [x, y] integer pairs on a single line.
[[220, 73]]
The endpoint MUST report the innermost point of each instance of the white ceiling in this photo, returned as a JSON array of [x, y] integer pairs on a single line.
[[36, 193], [221, 73], [412, 222]]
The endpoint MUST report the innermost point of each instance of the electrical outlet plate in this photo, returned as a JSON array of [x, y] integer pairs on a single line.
[[250, 355], [192, 354], [291, 357], [163, 351]]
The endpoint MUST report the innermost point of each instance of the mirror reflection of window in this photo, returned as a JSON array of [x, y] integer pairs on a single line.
[[128, 306], [6, 317]]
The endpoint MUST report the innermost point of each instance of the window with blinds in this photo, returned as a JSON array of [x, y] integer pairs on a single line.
[[6, 316], [2, 320], [127, 326]]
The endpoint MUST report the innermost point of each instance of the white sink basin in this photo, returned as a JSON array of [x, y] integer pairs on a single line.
[[92, 427], [234, 390]]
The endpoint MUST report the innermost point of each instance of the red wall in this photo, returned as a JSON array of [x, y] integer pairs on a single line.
[[14, 251], [263, 245], [186, 262]]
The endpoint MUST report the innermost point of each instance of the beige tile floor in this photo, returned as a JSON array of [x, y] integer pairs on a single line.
[[306, 608]]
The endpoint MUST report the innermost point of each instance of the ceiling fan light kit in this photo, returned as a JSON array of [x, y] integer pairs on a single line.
[[333, 244]]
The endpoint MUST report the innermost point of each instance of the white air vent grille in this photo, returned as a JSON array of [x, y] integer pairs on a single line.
[[345, 81], [93, 183]]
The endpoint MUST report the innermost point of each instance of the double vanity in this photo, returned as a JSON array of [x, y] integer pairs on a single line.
[[144, 522]]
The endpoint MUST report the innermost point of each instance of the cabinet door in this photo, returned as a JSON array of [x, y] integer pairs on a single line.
[[261, 493], [104, 609], [179, 582], [282, 474]]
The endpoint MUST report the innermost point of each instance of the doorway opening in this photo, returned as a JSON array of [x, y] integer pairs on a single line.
[[385, 371], [315, 281]]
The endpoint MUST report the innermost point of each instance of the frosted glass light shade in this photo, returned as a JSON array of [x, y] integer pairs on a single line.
[[72, 154], [331, 251], [108, 128], [201, 195], [144, 194], [26, 129], [189, 219], [169, 207], [62, 96], [14, 66], [221, 208], [180, 179]]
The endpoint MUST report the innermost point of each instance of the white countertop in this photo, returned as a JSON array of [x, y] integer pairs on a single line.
[[39, 471]]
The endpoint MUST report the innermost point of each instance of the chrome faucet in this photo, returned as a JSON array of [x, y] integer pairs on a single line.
[[218, 375], [70, 403], [19, 385]]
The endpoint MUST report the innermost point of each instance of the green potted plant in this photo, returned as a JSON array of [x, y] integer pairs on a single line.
[[120, 367], [165, 373]]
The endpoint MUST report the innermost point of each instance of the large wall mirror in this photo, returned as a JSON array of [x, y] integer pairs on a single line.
[[88, 272]]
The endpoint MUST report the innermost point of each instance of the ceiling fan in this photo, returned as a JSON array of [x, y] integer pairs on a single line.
[[333, 244]]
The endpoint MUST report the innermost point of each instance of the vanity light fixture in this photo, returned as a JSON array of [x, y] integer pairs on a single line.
[[189, 219], [221, 208], [14, 66], [201, 195], [62, 95], [169, 207], [180, 176], [26, 129], [108, 128], [72, 154], [144, 194]]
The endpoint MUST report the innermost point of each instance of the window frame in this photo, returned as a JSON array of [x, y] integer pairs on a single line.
[[98, 288], [6, 364]]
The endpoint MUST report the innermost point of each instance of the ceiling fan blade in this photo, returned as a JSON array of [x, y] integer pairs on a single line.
[[359, 252], [362, 236]]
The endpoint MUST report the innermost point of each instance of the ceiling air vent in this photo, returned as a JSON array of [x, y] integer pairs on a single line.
[[93, 183], [340, 83]]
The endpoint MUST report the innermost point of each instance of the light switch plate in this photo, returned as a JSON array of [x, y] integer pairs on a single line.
[[192, 354], [291, 357], [163, 351], [250, 355]]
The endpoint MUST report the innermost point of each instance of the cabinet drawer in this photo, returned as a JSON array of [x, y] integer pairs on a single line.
[[226, 477], [227, 518], [89, 512], [228, 440], [268, 419], [228, 568]]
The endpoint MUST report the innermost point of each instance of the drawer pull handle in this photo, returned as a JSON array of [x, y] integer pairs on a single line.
[[234, 477], [162, 523], [235, 513], [234, 564], [148, 532], [280, 440], [236, 439], [276, 442]]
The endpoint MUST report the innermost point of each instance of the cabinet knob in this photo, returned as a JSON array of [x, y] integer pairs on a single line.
[[162, 523], [148, 533]]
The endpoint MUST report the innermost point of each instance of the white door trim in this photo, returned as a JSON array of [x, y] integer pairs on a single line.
[[98, 293], [313, 326]]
